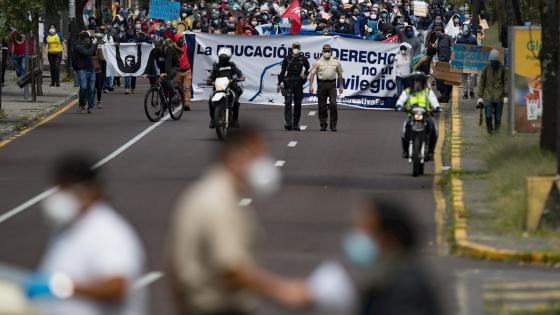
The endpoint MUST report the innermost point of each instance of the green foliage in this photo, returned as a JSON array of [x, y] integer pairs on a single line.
[[18, 14]]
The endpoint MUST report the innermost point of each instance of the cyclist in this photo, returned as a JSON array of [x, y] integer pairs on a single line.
[[164, 57], [226, 68]]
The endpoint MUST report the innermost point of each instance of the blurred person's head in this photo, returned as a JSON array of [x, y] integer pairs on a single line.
[[78, 188], [382, 229], [418, 79], [246, 156]]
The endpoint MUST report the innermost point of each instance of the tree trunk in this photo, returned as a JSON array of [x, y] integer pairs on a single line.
[[80, 5], [517, 12], [549, 69], [38, 51]]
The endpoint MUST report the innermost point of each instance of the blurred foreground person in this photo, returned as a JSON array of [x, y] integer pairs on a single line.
[[383, 247], [213, 268], [93, 256]]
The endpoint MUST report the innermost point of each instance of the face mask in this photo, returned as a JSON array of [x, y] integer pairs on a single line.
[[138, 27], [52, 30], [60, 209], [403, 52], [367, 14], [369, 29], [254, 23], [263, 177], [374, 16], [409, 34], [360, 249], [465, 32], [231, 25], [495, 64], [456, 21], [327, 55], [184, 15], [341, 21], [295, 51]]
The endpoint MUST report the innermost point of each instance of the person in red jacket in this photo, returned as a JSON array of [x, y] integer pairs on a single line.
[[17, 48], [184, 76]]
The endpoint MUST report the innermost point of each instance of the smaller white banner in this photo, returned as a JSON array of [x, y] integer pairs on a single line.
[[126, 59]]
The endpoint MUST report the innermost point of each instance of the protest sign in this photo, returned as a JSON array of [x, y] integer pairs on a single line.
[[420, 8], [442, 71], [164, 9], [470, 58]]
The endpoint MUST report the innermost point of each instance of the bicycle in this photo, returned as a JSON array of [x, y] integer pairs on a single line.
[[156, 102]]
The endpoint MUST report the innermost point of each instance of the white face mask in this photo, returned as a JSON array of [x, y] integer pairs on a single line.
[[52, 30], [263, 177], [296, 51], [327, 55], [254, 23], [341, 21], [184, 15], [403, 52], [60, 209]]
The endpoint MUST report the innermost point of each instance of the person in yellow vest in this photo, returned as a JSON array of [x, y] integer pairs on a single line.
[[419, 95], [56, 48]]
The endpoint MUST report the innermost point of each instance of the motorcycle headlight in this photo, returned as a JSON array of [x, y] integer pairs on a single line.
[[221, 84], [418, 117]]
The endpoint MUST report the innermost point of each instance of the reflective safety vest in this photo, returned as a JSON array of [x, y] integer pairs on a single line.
[[419, 99]]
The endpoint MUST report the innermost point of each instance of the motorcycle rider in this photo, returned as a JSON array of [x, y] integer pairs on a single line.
[[419, 95], [291, 80], [226, 68]]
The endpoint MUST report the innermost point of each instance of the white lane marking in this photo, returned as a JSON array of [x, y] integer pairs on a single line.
[[31, 202], [312, 113], [303, 127], [147, 279], [245, 202], [292, 144], [446, 168], [279, 163]]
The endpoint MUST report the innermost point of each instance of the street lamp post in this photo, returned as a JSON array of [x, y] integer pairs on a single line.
[[71, 34]]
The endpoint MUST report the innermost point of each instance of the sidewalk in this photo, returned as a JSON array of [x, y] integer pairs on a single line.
[[20, 113], [480, 229]]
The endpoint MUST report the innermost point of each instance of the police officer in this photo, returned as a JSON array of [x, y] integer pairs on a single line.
[[226, 68], [295, 69], [327, 69]]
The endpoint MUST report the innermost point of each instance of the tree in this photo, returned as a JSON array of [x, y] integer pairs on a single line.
[[550, 10]]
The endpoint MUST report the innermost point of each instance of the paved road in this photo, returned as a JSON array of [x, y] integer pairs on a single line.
[[325, 177]]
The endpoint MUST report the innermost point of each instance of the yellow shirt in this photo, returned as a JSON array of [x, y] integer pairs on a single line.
[[54, 43]]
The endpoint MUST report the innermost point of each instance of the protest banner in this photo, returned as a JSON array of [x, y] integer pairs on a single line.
[[420, 8], [126, 59], [164, 10], [369, 77], [471, 59]]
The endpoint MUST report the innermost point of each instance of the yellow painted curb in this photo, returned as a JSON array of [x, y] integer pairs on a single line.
[[40, 122], [462, 245]]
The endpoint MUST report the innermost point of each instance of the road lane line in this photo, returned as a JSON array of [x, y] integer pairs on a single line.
[[245, 202], [303, 127], [31, 202], [312, 113], [292, 144], [147, 279], [279, 163]]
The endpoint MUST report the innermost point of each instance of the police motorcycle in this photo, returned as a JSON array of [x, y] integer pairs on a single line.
[[223, 98], [419, 129]]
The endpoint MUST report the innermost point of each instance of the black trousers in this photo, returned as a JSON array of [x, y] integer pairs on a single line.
[[444, 90], [99, 85], [4, 63], [433, 129], [293, 89], [54, 63], [327, 89]]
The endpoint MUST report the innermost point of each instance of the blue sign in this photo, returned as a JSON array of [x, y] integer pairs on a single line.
[[164, 10]]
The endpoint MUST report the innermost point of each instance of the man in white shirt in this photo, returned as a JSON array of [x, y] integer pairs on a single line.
[[93, 256]]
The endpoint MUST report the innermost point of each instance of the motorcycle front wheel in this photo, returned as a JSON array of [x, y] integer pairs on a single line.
[[417, 165], [222, 127]]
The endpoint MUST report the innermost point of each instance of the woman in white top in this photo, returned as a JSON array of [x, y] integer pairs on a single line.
[[402, 66]]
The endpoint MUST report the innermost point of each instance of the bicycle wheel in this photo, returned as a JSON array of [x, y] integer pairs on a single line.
[[153, 105], [177, 111]]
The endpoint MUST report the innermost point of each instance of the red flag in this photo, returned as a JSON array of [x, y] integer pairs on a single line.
[[293, 12], [392, 39]]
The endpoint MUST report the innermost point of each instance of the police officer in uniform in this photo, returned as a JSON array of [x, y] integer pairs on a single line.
[[226, 68], [327, 69], [295, 69]]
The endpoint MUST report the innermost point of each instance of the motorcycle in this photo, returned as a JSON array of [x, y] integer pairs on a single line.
[[223, 99], [418, 140]]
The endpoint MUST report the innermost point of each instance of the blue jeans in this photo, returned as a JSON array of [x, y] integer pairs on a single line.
[[400, 85], [493, 110], [19, 63], [108, 82], [87, 88], [130, 83]]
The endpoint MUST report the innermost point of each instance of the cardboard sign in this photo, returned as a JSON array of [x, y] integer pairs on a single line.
[[164, 10], [420, 8], [471, 59], [442, 71]]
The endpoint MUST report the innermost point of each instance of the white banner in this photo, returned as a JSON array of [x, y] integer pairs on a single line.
[[126, 59], [369, 77]]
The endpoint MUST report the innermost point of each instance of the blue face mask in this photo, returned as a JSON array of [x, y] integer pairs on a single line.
[[409, 34], [495, 64], [360, 249]]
